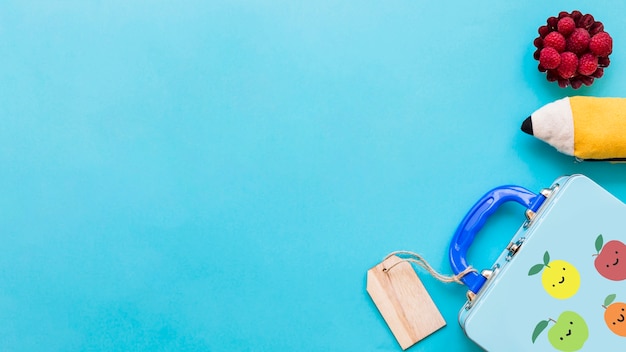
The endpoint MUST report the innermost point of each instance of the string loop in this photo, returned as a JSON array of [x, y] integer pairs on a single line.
[[419, 260]]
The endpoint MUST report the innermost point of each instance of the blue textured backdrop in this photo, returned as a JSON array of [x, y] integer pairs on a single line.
[[219, 176]]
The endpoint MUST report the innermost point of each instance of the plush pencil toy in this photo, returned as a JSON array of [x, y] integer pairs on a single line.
[[588, 128]]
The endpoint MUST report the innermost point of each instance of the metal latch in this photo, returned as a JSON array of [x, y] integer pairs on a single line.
[[546, 192], [513, 247], [488, 274]]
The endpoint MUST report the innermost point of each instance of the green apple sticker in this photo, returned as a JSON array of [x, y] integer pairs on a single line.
[[559, 278], [569, 332]]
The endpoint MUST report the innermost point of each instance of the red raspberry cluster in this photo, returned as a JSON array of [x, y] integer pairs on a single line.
[[573, 49]]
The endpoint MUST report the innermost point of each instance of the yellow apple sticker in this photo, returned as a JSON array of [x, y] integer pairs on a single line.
[[559, 278]]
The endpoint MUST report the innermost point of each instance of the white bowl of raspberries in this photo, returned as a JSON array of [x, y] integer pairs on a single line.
[[573, 49]]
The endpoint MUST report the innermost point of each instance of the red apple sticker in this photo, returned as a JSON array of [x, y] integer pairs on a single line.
[[611, 259]]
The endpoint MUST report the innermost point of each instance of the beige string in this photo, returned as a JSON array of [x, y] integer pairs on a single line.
[[419, 260]]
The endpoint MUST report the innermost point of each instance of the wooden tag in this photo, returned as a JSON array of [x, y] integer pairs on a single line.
[[403, 301]]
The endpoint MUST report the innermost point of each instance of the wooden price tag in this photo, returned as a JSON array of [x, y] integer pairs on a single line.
[[402, 300]]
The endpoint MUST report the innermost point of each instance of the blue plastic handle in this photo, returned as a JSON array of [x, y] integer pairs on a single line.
[[475, 220]]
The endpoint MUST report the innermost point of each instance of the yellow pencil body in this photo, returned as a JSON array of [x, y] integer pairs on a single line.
[[599, 127]]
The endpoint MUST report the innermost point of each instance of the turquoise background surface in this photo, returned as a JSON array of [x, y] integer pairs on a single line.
[[220, 175]]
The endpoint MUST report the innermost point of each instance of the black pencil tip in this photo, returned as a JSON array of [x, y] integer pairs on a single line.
[[527, 126]]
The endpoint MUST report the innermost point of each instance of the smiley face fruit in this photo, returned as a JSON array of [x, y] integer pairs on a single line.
[[569, 333], [610, 260], [615, 315], [560, 279]]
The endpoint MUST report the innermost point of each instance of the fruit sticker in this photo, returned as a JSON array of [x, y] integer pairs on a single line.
[[569, 332], [610, 259], [560, 279], [614, 315]]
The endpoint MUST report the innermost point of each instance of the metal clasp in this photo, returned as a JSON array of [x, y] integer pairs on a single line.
[[546, 192], [513, 247]]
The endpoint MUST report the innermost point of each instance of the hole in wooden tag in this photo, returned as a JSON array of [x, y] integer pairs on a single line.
[[403, 301]]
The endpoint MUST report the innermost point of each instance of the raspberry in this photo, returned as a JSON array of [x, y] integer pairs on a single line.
[[572, 49], [578, 41], [587, 64], [568, 66], [566, 26], [549, 58], [555, 40], [601, 44]]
